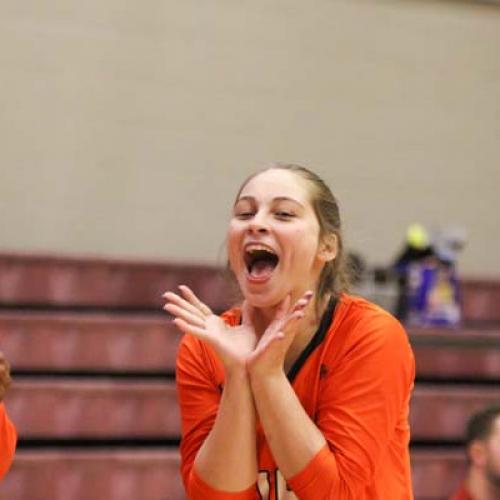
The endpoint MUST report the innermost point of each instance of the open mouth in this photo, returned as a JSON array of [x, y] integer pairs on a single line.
[[260, 261]]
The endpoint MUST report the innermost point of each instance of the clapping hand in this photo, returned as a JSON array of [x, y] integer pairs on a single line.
[[233, 344], [238, 346], [269, 355]]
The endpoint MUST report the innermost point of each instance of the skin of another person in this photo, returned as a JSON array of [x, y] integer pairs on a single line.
[[8, 435], [483, 478], [280, 314], [5, 379]]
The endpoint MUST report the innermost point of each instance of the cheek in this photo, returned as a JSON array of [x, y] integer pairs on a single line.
[[232, 233], [233, 236], [305, 244], [495, 452]]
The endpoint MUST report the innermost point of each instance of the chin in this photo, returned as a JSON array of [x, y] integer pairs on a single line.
[[261, 302], [263, 298]]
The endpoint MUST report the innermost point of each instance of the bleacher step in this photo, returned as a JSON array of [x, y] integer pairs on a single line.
[[92, 342], [66, 341], [49, 281], [94, 475], [53, 408], [141, 474], [98, 282], [119, 408]]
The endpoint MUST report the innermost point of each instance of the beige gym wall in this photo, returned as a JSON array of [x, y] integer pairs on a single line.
[[126, 127]]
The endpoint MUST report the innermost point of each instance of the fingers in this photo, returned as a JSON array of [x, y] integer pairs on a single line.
[[303, 301], [185, 327], [194, 300], [246, 313], [188, 307], [185, 315], [289, 320], [283, 308], [264, 345], [184, 304], [271, 340], [285, 316]]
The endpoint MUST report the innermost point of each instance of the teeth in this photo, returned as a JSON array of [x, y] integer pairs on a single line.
[[258, 248]]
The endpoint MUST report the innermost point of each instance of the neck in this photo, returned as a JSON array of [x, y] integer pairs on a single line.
[[264, 316], [480, 487], [303, 330]]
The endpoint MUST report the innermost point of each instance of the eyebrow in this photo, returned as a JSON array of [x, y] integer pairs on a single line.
[[276, 198]]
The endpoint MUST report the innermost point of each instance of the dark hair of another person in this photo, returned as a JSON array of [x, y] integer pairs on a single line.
[[334, 278], [480, 425]]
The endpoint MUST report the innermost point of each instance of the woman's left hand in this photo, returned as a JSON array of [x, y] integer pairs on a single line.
[[269, 354]]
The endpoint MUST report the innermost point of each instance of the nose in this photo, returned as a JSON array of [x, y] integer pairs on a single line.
[[258, 223]]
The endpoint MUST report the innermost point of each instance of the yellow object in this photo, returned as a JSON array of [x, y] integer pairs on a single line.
[[417, 236]]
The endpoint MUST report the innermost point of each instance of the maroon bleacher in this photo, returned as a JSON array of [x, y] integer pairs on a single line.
[[68, 341], [139, 342], [90, 408], [105, 474], [72, 282], [153, 475], [480, 299], [94, 332], [464, 354], [81, 408]]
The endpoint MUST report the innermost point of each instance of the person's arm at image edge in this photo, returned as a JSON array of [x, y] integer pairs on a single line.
[[8, 434], [8, 440]]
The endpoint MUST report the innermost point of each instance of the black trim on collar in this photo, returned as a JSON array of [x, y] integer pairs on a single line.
[[316, 340]]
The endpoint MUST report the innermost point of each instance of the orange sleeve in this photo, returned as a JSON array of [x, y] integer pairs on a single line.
[[361, 408], [201, 490], [199, 398], [8, 441]]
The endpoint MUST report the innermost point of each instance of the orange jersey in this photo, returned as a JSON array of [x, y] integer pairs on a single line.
[[461, 494], [354, 381], [8, 440]]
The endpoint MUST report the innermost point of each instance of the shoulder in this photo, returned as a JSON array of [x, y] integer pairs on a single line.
[[365, 332], [369, 347], [361, 319]]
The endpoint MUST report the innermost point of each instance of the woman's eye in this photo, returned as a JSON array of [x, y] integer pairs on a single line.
[[284, 215], [244, 215]]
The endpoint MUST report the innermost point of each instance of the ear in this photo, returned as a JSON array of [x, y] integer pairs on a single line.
[[328, 248], [477, 453]]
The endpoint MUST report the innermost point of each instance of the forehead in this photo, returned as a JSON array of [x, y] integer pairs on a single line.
[[277, 183]]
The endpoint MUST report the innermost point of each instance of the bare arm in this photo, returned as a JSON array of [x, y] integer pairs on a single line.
[[227, 459], [294, 439]]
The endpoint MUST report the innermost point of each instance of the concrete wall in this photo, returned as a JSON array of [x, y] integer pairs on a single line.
[[126, 127]]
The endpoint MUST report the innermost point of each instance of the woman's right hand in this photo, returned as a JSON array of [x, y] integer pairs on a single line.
[[233, 344]]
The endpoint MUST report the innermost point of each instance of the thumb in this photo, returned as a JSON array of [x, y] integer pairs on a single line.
[[246, 313]]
